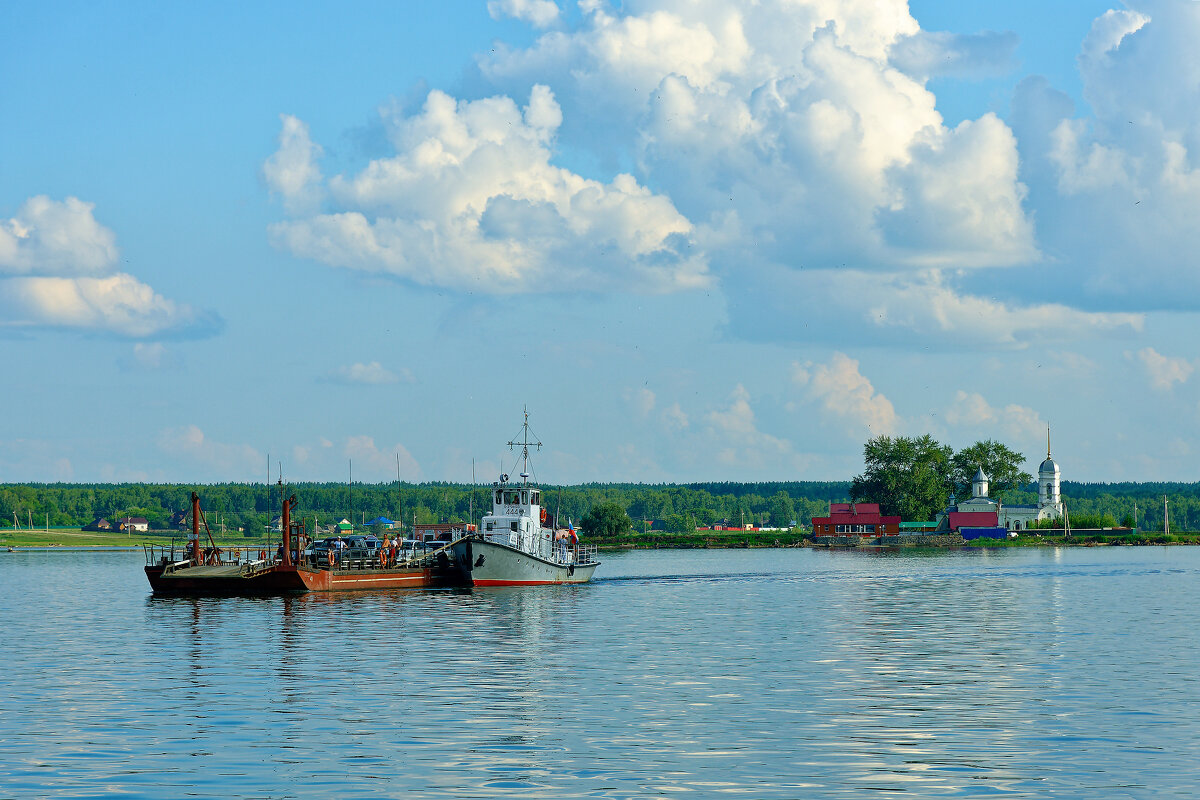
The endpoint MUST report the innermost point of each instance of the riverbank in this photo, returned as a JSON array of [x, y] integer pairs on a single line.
[[74, 537], [656, 540], [744, 539]]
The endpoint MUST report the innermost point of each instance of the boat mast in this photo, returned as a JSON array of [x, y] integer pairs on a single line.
[[196, 561], [524, 444]]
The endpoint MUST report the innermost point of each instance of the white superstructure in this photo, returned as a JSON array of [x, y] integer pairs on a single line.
[[516, 519], [516, 544]]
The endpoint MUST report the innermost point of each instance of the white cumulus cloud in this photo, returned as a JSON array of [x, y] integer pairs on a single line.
[[926, 53], [970, 410], [736, 440], [539, 13], [902, 309], [1117, 182], [642, 400], [47, 237], [224, 461], [791, 117], [57, 269], [845, 393], [292, 171], [117, 303], [372, 373], [471, 200], [379, 464], [1165, 371]]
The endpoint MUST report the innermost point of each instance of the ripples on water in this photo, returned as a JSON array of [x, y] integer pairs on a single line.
[[761, 673]]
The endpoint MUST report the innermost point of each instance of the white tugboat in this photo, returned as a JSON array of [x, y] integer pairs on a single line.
[[515, 545]]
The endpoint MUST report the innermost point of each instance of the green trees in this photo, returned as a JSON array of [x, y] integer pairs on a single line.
[[902, 474], [782, 510], [905, 476], [1001, 464], [914, 477], [606, 519]]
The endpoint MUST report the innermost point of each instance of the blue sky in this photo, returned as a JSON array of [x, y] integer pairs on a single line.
[[699, 240]]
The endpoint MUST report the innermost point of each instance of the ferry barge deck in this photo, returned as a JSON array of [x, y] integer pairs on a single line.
[[196, 571]]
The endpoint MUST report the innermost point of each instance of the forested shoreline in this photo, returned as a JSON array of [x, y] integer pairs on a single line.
[[660, 507]]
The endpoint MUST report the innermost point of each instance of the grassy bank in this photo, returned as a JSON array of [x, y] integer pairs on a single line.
[[74, 537], [1140, 538], [739, 539]]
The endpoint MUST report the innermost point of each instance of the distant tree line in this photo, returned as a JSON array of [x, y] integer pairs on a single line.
[[670, 507], [253, 506]]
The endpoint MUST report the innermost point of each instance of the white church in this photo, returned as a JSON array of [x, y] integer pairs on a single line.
[[978, 510]]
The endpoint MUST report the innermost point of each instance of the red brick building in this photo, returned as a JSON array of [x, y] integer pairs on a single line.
[[855, 519]]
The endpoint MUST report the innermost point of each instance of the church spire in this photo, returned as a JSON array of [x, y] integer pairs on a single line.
[[1047, 440]]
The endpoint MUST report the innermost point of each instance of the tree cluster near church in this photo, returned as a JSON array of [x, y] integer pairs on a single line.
[[1000, 463], [909, 477], [914, 477]]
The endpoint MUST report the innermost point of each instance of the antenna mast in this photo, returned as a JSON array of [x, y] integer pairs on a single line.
[[525, 444]]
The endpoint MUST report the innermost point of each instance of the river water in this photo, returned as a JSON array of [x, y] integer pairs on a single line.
[[1066, 673]]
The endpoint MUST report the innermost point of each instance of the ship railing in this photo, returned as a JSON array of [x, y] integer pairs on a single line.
[[425, 555], [176, 554], [586, 553], [574, 554]]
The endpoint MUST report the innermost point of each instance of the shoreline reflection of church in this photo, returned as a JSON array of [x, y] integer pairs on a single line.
[[981, 511]]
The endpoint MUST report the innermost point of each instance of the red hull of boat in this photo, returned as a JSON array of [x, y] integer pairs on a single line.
[[281, 579]]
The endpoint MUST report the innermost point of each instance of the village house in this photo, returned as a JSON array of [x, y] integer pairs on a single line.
[[855, 519]]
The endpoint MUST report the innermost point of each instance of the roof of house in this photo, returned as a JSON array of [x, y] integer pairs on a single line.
[[973, 519], [856, 519], [854, 508]]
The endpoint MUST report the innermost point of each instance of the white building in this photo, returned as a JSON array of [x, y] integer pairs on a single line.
[[1015, 517]]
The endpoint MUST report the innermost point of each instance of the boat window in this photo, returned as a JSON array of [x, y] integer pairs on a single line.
[[512, 498], [499, 496], [489, 526], [536, 497], [513, 525], [524, 497]]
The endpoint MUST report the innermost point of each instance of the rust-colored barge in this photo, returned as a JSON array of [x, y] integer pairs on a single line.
[[235, 571]]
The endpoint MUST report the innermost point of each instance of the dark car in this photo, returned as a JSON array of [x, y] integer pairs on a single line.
[[318, 551], [362, 546]]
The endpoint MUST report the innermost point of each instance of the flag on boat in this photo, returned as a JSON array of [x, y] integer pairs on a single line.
[[571, 531]]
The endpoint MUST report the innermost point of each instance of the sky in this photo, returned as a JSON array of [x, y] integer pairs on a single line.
[[696, 240]]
